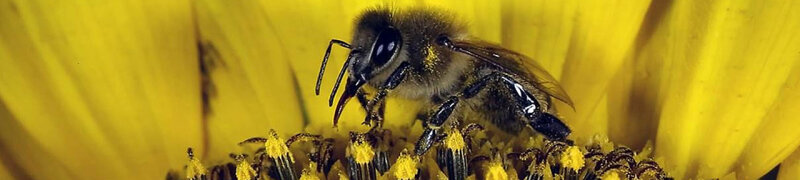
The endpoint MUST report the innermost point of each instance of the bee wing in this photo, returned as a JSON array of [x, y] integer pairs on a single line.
[[514, 63]]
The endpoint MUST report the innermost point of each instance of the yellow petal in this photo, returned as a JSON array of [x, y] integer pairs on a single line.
[[5, 172], [602, 36], [724, 63], [250, 73], [483, 18], [634, 103], [98, 89], [729, 176], [790, 168], [16, 149], [777, 136], [540, 29]]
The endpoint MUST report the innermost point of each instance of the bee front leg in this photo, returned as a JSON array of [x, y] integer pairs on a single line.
[[379, 117], [371, 115], [362, 99], [397, 76]]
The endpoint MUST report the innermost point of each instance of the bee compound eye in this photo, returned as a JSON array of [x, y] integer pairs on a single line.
[[386, 45], [443, 40]]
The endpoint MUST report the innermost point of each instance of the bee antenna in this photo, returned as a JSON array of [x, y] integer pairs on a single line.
[[325, 60], [341, 75]]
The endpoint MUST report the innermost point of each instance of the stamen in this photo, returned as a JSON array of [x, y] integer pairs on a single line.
[[362, 152], [407, 166], [495, 170], [195, 169], [453, 156], [360, 155], [455, 141], [244, 170], [276, 150], [276, 147], [611, 175], [572, 158], [367, 157], [310, 172]]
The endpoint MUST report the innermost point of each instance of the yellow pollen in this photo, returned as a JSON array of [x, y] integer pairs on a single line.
[[431, 58], [441, 176], [455, 140], [244, 170], [307, 175], [406, 167], [362, 152], [275, 146], [495, 171], [309, 172], [195, 169], [572, 158], [343, 175], [611, 175]]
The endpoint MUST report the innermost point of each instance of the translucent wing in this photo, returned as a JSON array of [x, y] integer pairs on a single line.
[[510, 62]]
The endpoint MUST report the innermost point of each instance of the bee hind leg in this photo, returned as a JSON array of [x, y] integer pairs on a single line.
[[545, 123], [542, 122], [551, 126]]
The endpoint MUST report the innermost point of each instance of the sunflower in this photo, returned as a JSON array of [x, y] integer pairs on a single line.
[[119, 90]]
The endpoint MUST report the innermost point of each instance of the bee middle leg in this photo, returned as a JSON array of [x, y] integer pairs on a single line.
[[434, 122]]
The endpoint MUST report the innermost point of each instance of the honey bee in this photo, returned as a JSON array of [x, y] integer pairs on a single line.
[[424, 55]]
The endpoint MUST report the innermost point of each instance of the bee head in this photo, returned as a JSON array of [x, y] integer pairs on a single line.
[[376, 44], [375, 54], [375, 49]]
